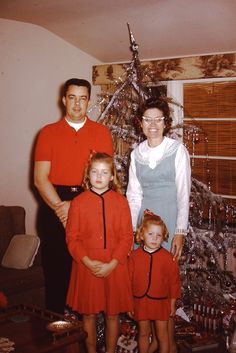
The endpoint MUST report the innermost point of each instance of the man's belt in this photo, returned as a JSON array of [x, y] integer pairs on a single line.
[[69, 188]]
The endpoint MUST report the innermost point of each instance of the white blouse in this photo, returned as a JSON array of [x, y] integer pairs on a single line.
[[153, 156]]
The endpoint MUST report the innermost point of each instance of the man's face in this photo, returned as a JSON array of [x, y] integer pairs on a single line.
[[76, 102]]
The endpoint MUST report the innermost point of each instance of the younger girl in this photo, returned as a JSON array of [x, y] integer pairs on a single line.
[[155, 283], [99, 238]]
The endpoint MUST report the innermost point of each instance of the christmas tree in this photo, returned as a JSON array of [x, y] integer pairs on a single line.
[[205, 278]]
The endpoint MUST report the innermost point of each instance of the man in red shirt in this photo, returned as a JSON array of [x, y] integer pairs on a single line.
[[61, 153]]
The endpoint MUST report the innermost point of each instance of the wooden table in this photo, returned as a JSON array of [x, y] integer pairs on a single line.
[[27, 327]]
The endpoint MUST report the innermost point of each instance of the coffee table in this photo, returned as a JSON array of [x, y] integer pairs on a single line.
[[27, 327]]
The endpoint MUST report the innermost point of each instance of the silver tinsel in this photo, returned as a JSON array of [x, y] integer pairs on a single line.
[[204, 265]]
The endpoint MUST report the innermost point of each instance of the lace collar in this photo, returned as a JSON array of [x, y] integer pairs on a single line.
[[153, 156]]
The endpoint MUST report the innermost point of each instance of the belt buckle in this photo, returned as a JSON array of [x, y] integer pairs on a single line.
[[74, 189]]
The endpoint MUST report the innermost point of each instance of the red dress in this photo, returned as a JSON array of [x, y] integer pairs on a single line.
[[100, 227], [155, 280]]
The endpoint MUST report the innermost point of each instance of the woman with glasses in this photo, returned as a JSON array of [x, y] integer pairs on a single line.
[[159, 179]]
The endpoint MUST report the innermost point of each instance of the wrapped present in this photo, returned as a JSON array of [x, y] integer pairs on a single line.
[[126, 344]]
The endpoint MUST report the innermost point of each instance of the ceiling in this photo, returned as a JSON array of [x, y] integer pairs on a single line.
[[162, 28]]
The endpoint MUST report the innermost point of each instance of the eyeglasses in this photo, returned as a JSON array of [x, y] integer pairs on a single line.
[[156, 120]]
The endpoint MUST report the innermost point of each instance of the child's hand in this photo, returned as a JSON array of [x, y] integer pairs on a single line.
[[95, 266], [131, 314], [106, 268], [92, 265]]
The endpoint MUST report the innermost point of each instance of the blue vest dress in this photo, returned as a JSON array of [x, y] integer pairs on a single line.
[[159, 188]]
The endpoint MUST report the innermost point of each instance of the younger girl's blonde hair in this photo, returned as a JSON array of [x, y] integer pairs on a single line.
[[148, 219], [104, 158]]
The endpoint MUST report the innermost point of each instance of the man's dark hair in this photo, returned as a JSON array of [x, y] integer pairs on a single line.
[[76, 82]]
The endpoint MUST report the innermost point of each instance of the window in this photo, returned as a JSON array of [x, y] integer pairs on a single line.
[[212, 108]]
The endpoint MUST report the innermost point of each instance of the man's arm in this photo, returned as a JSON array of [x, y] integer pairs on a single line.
[[48, 192], [43, 184]]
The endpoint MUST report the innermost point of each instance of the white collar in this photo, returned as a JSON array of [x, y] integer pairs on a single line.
[[150, 250], [76, 126]]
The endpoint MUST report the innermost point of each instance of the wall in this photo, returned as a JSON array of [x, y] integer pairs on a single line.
[[34, 63]]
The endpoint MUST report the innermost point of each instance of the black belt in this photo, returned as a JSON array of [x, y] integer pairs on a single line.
[[69, 188]]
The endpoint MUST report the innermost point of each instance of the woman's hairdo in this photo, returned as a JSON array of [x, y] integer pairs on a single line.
[[157, 103]]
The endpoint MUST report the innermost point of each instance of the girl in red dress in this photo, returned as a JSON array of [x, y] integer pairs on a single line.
[[99, 237], [155, 283]]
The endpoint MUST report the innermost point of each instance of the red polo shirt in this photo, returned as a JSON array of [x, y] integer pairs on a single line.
[[68, 150]]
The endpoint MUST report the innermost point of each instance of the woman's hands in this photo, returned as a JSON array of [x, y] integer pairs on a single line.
[[177, 246]]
